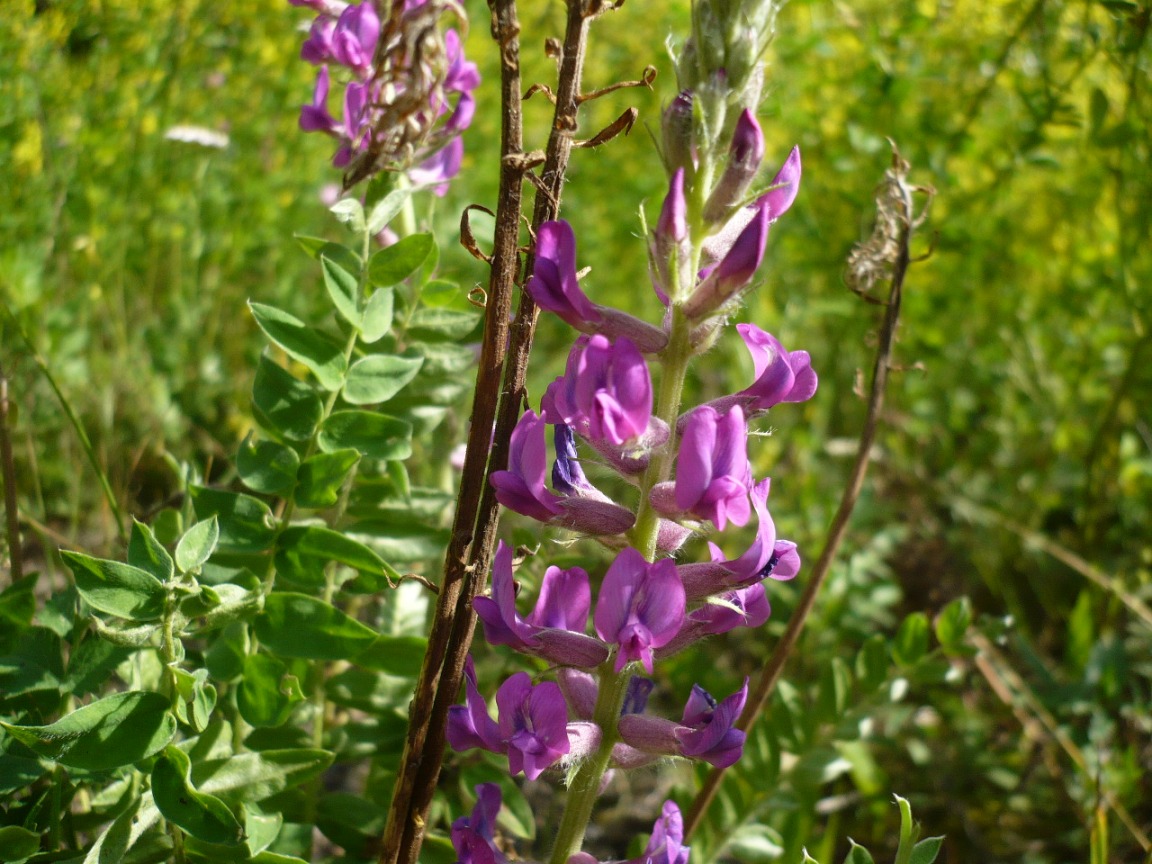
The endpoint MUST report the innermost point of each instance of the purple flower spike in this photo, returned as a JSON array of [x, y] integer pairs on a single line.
[[781, 376], [787, 180], [555, 628], [533, 722], [473, 837], [605, 393], [553, 284], [666, 846], [640, 607], [735, 271], [469, 725], [521, 487], [708, 731], [744, 157], [713, 476]]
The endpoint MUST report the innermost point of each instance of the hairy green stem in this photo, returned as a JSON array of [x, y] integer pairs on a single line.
[[585, 785]]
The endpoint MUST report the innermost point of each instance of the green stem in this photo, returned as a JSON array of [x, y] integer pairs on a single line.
[[585, 785]]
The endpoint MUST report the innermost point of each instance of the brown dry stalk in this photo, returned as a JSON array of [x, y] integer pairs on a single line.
[[474, 530], [885, 255]]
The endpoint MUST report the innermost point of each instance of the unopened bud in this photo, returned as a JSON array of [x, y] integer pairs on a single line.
[[744, 157], [677, 133]]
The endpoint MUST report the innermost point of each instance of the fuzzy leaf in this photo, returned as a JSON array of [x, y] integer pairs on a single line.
[[303, 343], [379, 377], [118, 589]]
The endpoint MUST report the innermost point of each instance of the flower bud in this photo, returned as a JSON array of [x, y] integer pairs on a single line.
[[676, 127], [744, 157]]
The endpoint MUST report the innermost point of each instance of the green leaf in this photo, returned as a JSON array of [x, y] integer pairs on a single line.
[[18, 843], [285, 405], [376, 436], [204, 817], [267, 693], [252, 777], [92, 663], [952, 624], [872, 663], [18, 772], [267, 466], [350, 821], [397, 539], [246, 523], [379, 377], [911, 643], [303, 343], [377, 315], [441, 293], [835, 686], [452, 324], [401, 656], [349, 212], [296, 625], [224, 659], [385, 210], [109, 733], [197, 698], [926, 850], [756, 844], [343, 288], [329, 545], [18, 605], [321, 477], [145, 552], [197, 545], [115, 588], [858, 854], [393, 264]]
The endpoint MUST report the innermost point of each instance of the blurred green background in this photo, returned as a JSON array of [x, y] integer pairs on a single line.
[[1015, 462]]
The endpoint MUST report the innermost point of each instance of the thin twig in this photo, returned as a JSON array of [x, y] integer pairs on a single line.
[[479, 554], [8, 465], [404, 830], [898, 244]]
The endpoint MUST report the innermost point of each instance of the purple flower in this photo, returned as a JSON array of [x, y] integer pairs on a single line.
[[355, 36], [734, 273], [744, 157], [712, 473], [787, 187], [605, 392], [781, 376], [439, 168], [315, 117], [532, 728], [469, 725], [666, 845], [317, 48], [521, 487], [463, 76], [640, 607], [554, 288], [555, 628], [719, 574], [670, 244], [553, 284], [533, 722], [473, 836], [744, 607], [708, 729]]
